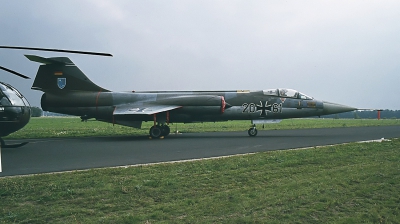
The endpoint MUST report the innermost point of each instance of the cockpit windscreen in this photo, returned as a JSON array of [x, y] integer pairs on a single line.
[[291, 93]]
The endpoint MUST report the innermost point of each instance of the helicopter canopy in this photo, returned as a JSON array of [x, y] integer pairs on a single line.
[[9, 96]]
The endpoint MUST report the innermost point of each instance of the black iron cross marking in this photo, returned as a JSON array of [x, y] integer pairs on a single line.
[[264, 108]]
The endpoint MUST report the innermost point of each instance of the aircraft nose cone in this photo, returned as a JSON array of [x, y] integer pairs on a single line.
[[334, 108]]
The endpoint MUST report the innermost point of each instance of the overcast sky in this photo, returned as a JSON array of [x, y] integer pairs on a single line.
[[345, 52]]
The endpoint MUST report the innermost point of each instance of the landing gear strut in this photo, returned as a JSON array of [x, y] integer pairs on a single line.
[[159, 130], [252, 131]]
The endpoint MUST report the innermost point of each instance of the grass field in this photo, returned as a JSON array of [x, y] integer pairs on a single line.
[[45, 127], [351, 183]]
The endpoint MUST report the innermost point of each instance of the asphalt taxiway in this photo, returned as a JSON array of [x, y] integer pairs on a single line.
[[67, 154]]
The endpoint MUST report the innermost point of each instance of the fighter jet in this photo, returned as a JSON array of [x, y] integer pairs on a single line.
[[68, 90]]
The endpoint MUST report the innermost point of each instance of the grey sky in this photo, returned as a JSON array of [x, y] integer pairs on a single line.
[[341, 51]]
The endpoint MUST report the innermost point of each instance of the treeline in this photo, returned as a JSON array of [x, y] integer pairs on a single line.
[[385, 114], [38, 112]]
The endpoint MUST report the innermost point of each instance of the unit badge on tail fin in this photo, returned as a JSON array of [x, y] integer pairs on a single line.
[[61, 82]]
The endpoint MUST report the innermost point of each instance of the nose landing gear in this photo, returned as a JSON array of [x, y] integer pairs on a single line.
[[252, 131]]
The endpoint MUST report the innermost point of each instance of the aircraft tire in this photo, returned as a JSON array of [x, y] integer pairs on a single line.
[[156, 131], [165, 130], [252, 132]]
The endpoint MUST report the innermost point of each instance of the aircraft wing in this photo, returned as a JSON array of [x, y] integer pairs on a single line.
[[143, 109], [169, 103]]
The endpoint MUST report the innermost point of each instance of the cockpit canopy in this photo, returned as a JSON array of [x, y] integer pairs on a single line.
[[9, 96], [291, 93]]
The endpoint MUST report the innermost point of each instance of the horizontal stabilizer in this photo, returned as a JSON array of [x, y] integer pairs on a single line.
[[60, 60], [143, 109]]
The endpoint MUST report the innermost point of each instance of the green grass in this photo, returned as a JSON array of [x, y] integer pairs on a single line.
[[45, 127], [351, 183]]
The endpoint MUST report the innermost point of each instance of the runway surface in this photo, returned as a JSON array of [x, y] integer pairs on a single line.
[[54, 155]]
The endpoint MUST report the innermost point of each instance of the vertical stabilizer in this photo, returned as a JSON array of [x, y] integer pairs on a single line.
[[60, 74]]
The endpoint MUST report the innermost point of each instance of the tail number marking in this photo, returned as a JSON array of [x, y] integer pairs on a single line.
[[262, 108], [277, 107]]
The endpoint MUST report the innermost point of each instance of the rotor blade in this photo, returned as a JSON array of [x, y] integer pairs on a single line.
[[57, 50], [14, 72]]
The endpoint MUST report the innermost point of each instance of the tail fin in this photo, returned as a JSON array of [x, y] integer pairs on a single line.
[[60, 74]]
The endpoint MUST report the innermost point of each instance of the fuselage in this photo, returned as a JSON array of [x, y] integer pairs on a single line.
[[195, 106]]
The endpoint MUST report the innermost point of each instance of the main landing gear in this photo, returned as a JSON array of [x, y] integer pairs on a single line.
[[158, 131], [160, 128], [252, 131]]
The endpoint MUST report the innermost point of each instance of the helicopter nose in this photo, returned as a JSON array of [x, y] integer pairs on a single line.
[[334, 108]]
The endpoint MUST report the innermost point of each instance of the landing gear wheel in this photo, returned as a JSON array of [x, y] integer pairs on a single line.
[[156, 131], [252, 132], [165, 130]]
